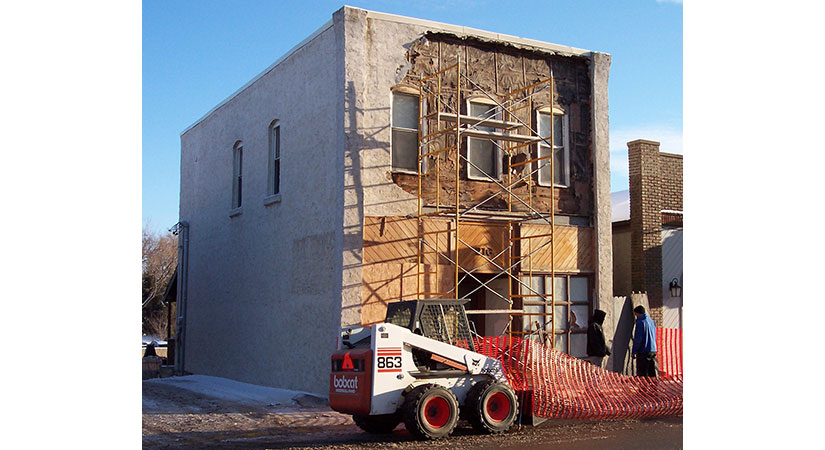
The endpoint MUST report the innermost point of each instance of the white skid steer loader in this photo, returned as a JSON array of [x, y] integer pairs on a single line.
[[416, 368]]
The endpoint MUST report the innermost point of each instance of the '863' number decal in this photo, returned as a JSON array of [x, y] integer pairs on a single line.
[[389, 362], [389, 359]]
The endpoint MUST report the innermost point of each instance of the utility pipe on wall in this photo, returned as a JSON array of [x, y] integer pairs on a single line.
[[182, 230]]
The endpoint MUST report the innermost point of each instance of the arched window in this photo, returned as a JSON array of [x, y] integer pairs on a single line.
[[274, 179], [237, 175]]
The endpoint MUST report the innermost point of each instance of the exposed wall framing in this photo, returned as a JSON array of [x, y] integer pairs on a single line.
[[497, 70]]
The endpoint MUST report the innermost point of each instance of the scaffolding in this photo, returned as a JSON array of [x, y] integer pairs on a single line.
[[441, 129]]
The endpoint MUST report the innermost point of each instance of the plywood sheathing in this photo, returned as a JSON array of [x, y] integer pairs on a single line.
[[574, 248], [390, 256], [390, 264], [499, 68]]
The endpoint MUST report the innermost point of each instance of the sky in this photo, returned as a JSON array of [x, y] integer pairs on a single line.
[[196, 54]]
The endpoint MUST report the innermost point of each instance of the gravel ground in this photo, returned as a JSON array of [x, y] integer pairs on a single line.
[[177, 419]]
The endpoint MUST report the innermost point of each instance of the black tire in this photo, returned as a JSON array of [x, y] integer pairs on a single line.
[[378, 424], [430, 412], [491, 407]]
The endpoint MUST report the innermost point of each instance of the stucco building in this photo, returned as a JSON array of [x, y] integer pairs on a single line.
[[303, 212]]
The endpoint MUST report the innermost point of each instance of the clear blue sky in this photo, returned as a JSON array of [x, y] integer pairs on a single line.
[[195, 54]]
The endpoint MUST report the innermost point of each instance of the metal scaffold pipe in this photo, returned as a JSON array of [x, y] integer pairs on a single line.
[[440, 108]]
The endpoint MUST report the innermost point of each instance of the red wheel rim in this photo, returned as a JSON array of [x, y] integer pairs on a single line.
[[437, 412], [498, 407]]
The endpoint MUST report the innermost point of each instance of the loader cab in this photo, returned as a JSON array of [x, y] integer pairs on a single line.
[[444, 320]]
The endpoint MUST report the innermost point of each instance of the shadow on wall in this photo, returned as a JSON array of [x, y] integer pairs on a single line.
[[354, 141], [623, 334], [583, 258]]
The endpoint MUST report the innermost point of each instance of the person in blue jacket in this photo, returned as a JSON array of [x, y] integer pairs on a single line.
[[644, 343]]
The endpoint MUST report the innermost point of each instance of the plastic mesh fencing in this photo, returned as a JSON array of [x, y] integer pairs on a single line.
[[561, 386], [669, 356]]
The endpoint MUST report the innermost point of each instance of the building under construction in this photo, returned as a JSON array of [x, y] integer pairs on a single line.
[[383, 159]]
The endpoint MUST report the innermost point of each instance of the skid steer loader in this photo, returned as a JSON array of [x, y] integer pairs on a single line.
[[419, 367]]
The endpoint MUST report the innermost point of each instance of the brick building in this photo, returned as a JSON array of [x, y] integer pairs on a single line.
[[647, 248]]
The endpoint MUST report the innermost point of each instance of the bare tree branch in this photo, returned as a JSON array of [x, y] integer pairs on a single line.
[[159, 260]]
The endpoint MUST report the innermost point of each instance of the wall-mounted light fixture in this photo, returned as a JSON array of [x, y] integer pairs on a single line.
[[675, 288]]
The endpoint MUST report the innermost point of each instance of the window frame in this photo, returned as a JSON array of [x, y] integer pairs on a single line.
[[568, 331], [393, 128], [237, 178], [565, 146], [273, 180], [496, 143]]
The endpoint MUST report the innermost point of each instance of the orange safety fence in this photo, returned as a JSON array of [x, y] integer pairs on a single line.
[[562, 386], [669, 356]]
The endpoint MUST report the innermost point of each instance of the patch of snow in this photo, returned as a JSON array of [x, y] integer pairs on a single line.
[[232, 390], [621, 205], [149, 339], [149, 404]]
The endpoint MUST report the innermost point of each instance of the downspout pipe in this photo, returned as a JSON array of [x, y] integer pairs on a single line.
[[182, 229]]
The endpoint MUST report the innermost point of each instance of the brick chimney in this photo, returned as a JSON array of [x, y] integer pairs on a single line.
[[646, 222]]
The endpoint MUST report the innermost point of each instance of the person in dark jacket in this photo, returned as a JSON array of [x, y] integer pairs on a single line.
[[596, 344], [644, 343]]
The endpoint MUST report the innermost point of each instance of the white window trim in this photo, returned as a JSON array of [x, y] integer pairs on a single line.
[[555, 111], [499, 155], [270, 179], [392, 127], [270, 199]]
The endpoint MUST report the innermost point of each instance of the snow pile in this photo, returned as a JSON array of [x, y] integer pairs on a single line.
[[231, 390]]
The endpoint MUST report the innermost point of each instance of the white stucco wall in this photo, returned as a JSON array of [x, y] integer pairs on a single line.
[[264, 286], [375, 51], [672, 239]]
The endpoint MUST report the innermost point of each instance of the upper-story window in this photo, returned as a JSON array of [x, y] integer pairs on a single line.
[[483, 155], [274, 178], [237, 175], [561, 151], [405, 117]]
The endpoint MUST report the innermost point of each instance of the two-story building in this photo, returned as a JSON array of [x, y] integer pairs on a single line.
[[337, 181]]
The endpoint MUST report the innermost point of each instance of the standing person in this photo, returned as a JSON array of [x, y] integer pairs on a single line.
[[596, 345], [644, 343]]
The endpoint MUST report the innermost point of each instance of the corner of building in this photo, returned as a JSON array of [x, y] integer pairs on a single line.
[[603, 216]]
